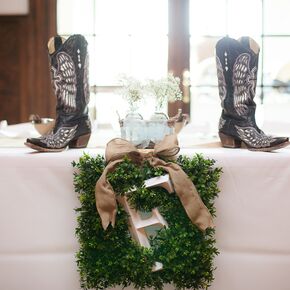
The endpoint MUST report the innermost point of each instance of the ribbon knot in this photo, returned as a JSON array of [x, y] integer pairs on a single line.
[[118, 148]]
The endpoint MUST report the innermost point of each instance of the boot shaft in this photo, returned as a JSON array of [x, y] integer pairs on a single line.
[[237, 67], [69, 72]]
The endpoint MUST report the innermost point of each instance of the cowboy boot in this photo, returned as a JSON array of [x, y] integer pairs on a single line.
[[237, 66], [69, 71]]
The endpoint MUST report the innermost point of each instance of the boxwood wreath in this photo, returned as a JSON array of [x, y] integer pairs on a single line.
[[112, 258]]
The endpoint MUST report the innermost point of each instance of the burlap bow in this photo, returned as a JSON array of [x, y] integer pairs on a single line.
[[118, 148]]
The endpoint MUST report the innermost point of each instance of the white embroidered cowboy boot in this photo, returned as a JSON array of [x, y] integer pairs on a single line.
[[237, 66], [69, 70]]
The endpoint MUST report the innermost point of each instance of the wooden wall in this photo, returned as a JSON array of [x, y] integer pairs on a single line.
[[25, 85], [179, 50]]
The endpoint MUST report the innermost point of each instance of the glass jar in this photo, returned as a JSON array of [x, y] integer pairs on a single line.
[[158, 127], [133, 130]]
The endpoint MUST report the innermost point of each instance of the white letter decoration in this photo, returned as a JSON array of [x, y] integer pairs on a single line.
[[137, 225]]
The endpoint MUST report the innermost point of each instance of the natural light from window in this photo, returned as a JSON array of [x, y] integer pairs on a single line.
[[125, 37], [131, 37]]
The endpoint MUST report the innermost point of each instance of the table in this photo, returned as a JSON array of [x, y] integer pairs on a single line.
[[37, 219]]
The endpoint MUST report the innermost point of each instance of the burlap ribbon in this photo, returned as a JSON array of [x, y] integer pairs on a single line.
[[118, 148]]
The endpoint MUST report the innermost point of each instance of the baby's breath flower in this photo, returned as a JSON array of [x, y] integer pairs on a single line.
[[131, 91], [164, 90]]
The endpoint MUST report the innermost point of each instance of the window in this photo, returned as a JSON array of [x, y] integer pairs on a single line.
[[264, 20], [125, 37], [131, 37]]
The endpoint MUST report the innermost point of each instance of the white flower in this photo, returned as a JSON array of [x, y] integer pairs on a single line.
[[165, 90], [132, 91]]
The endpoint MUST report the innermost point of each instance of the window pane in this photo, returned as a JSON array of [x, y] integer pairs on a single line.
[[244, 18], [275, 111], [149, 17], [131, 16], [131, 36], [149, 57], [74, 16], [205, 101], [125, 37], [112, 57], [109, 106], [135, 56], [276, 60], [277, 20], [205, 110], [202, 61], [207, 17]]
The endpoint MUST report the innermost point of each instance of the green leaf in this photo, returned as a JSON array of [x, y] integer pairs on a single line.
[[111, 258]]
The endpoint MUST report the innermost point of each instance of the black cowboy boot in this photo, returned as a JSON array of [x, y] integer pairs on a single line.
[[69, 70], [237, 66]]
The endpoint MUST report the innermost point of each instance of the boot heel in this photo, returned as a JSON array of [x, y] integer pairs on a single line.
[[229, 141], [80, 142]]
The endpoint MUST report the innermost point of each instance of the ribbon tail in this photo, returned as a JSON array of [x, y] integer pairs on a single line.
[[108, 219], [105, 197], [188, 195]]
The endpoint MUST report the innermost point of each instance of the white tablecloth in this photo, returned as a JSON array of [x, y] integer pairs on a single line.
[[37, 219]]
